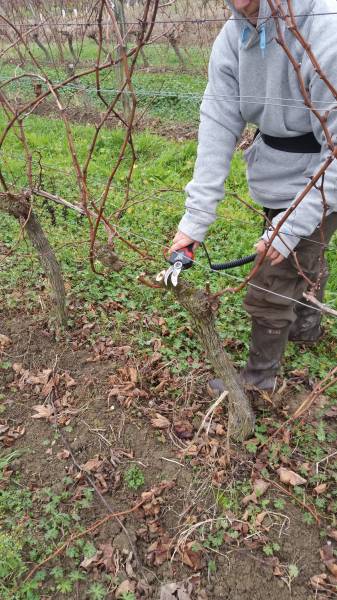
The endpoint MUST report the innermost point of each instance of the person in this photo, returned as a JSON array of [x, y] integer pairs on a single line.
[[252, 80]]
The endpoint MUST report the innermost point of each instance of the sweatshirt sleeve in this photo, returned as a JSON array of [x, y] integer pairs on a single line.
[[221, 125], [308, 215]]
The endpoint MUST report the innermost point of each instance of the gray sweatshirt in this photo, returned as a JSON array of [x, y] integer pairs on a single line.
[[251, 80]]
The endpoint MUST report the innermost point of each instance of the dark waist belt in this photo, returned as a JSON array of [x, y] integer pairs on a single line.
[[305, 144]]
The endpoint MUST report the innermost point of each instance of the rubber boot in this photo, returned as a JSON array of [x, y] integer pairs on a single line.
[[265, 354], [307, 327]]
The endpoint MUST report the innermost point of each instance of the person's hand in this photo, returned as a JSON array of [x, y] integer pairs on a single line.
[[274, 256], [181, 241]]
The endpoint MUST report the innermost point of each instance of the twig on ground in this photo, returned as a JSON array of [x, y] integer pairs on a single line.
[[326, 458], [77, 536], [209, 413], [91, 481], [322, 386], [288, 493]]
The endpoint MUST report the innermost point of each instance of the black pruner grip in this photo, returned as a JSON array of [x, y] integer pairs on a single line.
[[184, 255]]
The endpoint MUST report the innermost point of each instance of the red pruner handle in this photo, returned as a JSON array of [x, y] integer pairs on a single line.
[[183, 255]]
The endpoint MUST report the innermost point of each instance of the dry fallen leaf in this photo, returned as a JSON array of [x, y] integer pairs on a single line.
[[332, 567], [124, 588], [160, 551], [290, 477], [191, 556], [40, 379], [4, 341], [318, 582], [160, 422], [42, 412], [63, 454], [70, 382], [133, 373], [326, 552], [92, 465], [107, 558], [260, 517], [183, 429], [278, 571], [88, 562], [219, 430], [128, 567], [260, 487], [174, 591], [321, 488]]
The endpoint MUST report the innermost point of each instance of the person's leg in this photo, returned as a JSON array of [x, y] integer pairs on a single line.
[[307, 326], [270, 303]]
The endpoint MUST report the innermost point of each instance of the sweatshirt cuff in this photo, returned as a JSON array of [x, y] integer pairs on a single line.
[[195, 229], [290, 240]]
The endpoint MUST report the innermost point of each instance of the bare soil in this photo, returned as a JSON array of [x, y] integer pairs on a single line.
[[108, 400]]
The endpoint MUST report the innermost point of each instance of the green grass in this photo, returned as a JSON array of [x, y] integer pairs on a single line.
[[34, 523], [161, 165], [172, 95]]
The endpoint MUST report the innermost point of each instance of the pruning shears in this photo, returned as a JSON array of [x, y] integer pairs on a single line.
[[179, 260], [183, 259]]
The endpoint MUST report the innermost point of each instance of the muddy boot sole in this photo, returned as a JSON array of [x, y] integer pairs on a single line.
[[306, 342]]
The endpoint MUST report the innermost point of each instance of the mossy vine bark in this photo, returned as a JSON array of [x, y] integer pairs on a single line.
[[18, 206], [202, 308]]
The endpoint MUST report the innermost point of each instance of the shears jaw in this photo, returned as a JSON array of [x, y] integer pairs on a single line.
[[173, 273], [168, 274]]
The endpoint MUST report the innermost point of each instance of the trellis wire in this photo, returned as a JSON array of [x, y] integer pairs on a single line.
[[121, 189], [224, 273], [189, 96], [198, 21]]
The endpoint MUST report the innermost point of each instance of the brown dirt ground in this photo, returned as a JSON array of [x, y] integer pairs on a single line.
[[97, 429]]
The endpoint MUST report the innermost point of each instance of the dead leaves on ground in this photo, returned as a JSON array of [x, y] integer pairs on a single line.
[[209, 447], [8, 435], [42, 384], [5, 342], [183, 590], [125, 386], [110, 560], [191, 555], [116, 560], [327, 582], [289, 477], [43, 412], [259, 489], [103, 472], [160, 422], [159, 551], [329, 559]]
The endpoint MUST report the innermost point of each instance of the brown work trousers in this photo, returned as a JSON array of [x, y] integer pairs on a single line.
[[274, 305]]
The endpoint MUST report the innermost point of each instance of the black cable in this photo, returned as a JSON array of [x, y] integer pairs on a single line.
[[230, 264]]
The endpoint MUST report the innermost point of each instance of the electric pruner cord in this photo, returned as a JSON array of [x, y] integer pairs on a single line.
[[230, 264]]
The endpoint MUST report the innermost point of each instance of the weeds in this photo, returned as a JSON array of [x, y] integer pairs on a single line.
[[34, 522], [134, 478], [25, 536]]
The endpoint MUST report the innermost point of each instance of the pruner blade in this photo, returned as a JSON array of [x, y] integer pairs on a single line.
[[173, 272]]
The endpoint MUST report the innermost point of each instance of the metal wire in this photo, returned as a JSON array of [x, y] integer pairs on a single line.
[[209, 269], [224, 273], [155, 197], [188, 96], [198, 21]]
